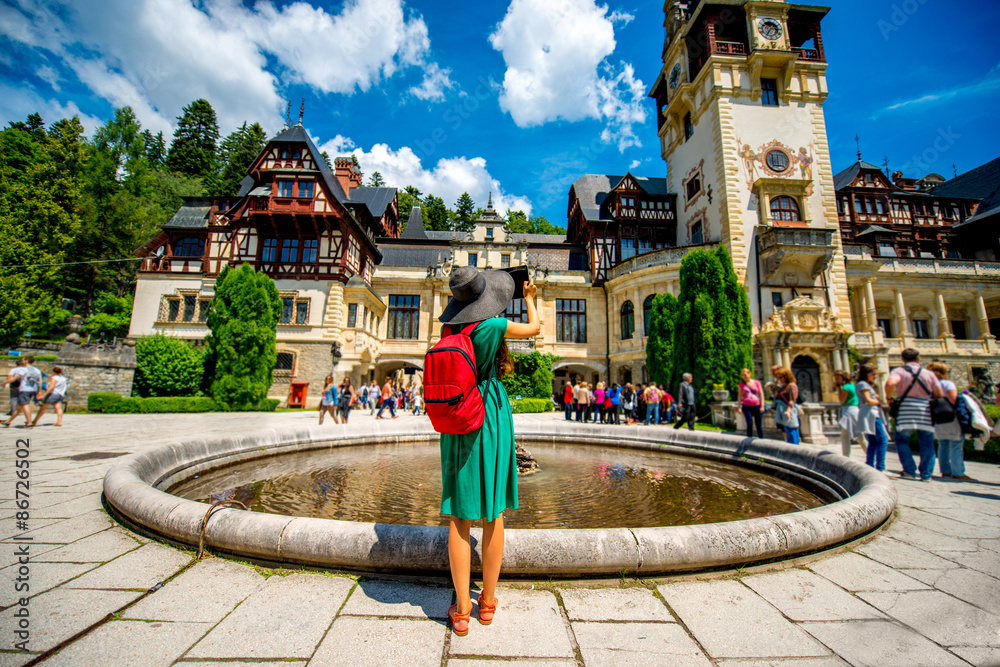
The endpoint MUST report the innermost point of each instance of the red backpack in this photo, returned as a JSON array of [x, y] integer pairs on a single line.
[[451, 395]]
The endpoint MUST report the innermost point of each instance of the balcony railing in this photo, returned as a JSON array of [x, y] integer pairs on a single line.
[[809, 54], [730, 48], [940, 266]]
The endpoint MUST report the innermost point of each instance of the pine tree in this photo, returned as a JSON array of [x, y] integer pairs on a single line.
[[518, 223], [465, 213], [156, 148], [193, 149], [376, 180], [435, 214], [712, 331], [240, 352], [326, 159], [236, 153], [660, 340]]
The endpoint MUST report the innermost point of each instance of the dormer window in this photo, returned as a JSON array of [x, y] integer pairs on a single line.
[[296, 154], [489, 232], [284, 153], [190, 246]]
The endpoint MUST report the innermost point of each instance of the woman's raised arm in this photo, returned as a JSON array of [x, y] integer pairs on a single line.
[[533, 325]]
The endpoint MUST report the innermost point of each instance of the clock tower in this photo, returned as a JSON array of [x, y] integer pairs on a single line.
[[740, 120]]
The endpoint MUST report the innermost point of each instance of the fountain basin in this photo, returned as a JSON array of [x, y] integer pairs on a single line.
[[862, 499]]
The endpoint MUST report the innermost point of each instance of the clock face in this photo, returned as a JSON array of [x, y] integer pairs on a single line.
[[769, 28], [675, 75]]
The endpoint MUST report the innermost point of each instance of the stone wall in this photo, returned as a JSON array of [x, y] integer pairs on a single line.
[[95, 369], [312, 363]]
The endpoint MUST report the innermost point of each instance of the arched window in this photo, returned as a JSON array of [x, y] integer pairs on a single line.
[[628, 320], [190, 246], [784, 208], [647, 311]]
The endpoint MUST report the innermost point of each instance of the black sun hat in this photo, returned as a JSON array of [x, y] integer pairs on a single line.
[[477, 295]]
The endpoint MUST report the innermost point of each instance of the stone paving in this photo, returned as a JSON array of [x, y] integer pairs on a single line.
[[925, 590]]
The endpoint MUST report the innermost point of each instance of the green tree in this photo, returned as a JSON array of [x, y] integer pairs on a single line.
[[465, 213], [532, 376], [435, 214], [41, 206], [660, 340], [326, 159], [111, 315], [156, 148], [712, 332], [240, 352], [539, 224], [193, 149], [167, 366], [376, 180], [518, 223], [236, 153]]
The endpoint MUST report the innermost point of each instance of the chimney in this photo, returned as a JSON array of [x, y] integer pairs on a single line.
[[355, 177], [343, 169]]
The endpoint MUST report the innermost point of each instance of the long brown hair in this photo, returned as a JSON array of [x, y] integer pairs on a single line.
[[502, 361]]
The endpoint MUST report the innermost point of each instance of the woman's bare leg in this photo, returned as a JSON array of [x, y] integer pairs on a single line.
[[492, 557], [460, 558], [41, 411], [59, 414]]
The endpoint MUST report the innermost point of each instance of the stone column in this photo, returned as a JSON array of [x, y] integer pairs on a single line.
[[838, 360], [942, 315], [902, 322], [984, 321], [869, 299], [786, 359]]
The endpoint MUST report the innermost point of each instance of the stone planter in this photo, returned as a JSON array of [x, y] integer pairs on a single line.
[[720, 395]]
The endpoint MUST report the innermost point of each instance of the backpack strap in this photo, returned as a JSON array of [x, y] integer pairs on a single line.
[[916, 380], [467, 330]]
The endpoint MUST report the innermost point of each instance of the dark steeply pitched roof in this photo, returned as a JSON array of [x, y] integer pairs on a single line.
[[376, 199], [978, 183], [988, 207], [538, 238], [593, 189], [846, 177], [393, 255], [445, 236], [193, 214], [245, 185], [414, 226], [297, 133]]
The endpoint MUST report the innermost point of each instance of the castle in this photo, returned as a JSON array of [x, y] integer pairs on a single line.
[[830, 261]]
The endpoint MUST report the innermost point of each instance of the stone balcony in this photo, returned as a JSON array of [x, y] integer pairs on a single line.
[[662, 257], [868, 341], [813, 246], [964, 267]]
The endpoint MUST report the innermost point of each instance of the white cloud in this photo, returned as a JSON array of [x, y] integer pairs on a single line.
[[17, 102], [436, 81], [634, 164], [49, 76], [159, 55], [619, 16], [555, 52], [448, 179], [984, 86]]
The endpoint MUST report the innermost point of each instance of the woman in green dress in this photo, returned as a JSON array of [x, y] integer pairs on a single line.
[[479, 469]]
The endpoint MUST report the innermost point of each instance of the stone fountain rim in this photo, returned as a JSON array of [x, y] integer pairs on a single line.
[[130, 490]]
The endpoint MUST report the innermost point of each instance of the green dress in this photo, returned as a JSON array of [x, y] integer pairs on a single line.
[[479, 469]]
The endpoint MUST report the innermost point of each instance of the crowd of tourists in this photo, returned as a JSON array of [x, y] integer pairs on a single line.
[[339, 399], [921, 405], [643, 403]]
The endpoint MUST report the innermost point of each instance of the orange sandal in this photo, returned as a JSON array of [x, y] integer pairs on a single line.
[[457, 617], [487, 609]]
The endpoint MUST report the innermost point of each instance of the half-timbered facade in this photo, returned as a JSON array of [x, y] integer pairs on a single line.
[[901, 217], [618, 217]]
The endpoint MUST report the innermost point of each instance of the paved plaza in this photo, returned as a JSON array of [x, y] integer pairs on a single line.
[[924, 590]]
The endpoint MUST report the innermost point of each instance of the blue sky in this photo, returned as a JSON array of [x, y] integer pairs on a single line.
[[517, 97]]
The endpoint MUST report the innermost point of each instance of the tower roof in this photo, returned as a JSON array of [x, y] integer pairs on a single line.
[[414, 225]]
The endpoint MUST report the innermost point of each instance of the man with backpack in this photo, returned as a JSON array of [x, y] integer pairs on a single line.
[[915, 387], [686, 400]]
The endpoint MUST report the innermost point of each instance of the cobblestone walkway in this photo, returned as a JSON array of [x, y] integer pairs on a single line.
[[924, 591]]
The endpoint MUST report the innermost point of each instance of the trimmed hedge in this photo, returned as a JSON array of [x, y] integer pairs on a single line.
[[38, 357], [528, 405], [111, 403]]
